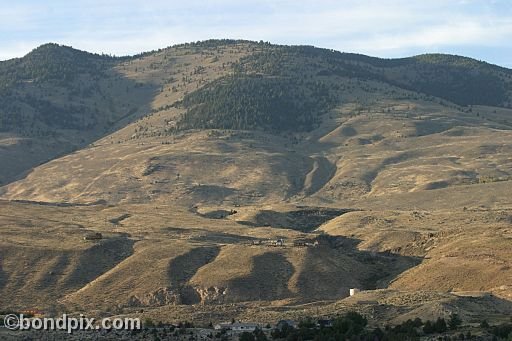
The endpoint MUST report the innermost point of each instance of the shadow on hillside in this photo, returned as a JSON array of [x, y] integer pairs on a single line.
[[326, 272], [52, 277], [268, 279], [429, 126], [207, 235], [91, 107], [322, 268], [483, 306], [210, 193], [305, 219], [292, 166], [3, 276], [182, 268], [337, 264], [225, 238], [372, 174], [97, 260]]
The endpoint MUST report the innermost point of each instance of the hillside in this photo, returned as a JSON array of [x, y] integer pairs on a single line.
[[194, 161], [57, 99]]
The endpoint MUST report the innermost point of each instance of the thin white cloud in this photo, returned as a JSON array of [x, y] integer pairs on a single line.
[[470, 33], [383, 28]]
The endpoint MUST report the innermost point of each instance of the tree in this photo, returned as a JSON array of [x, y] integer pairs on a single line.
[[282, 332], [351, 324], [149, 323], [428, 328], [378, 334], [259, 335], [246, 336], [454, 321], [440, 326]]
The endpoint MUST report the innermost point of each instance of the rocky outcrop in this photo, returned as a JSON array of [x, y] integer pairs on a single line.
[[186, 295], [163, 296], [212, 294]]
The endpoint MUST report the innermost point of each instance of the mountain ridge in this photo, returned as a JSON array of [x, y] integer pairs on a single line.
[[220, 171]]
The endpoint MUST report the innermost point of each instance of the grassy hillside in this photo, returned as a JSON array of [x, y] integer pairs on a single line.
[[57, 87], [57, 99], [194, 161], [461, 80], [48, 89], [61, 99], [288, 88]]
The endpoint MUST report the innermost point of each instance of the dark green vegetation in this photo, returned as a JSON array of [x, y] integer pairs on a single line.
[[282, 88], [49, 89], [503, 331], [353, 326], [52, 63], [57, 90], [253, 101], [460, 80], [274, 88]]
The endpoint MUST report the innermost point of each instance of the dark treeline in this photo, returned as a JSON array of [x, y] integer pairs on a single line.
[[461, 80], [275, 88], [257, 102], [351, 326], [287, 88], [52, 62]]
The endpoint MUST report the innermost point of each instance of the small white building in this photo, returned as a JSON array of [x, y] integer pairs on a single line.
[[225, 325], [354, 291]]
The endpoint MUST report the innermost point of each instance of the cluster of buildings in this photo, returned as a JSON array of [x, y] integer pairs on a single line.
[[282, 243]]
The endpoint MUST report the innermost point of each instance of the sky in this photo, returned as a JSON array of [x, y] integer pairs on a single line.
[[387, 28]]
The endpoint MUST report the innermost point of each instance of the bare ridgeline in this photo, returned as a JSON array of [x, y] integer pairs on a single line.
[[240, 184]]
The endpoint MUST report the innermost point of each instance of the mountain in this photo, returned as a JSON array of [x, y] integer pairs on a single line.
[[60, 99], [195, 162], [283, 88]]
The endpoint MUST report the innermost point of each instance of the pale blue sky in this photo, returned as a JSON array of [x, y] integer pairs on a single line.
[[386, 28]]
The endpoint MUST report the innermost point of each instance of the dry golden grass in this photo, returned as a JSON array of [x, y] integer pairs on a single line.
[[430, 183]]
